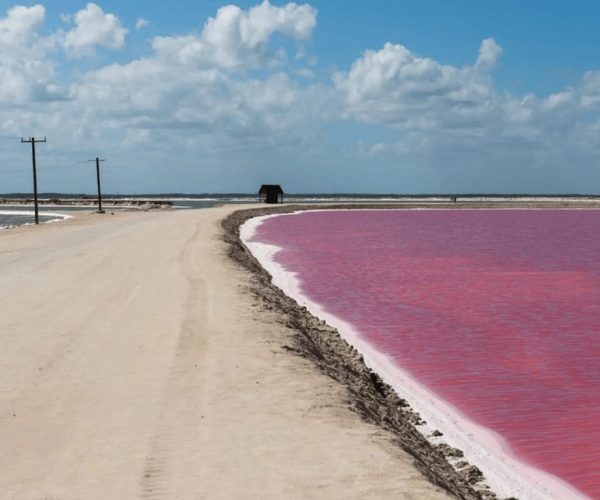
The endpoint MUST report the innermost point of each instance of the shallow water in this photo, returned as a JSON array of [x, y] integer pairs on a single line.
[[496, 311], [12, 217]]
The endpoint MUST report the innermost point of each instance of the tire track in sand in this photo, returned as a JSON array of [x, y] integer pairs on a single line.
[[174, 451]]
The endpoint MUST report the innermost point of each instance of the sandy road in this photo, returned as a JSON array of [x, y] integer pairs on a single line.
[[134, 365]]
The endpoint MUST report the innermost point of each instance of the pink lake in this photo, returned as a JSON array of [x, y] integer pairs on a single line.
[[495, 311]]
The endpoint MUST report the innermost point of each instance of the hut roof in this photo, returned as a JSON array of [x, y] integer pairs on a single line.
[[270, 188]]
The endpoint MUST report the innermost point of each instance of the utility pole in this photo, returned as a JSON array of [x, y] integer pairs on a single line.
[[32, 141], [98, 160]]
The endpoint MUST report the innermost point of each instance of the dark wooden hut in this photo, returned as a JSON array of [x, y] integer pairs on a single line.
[[270, 193]]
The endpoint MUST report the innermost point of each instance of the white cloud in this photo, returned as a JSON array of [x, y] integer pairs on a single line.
[[26, 72], [152, 94], [590, 98], [194, 91], [141, 23], [236, 38], [94, 28], [489, 54], [164, 91], [20, 24], [396, 87], [559, 99], [446, 116]]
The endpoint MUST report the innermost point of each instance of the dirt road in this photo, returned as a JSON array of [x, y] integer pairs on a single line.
[[133, 364]]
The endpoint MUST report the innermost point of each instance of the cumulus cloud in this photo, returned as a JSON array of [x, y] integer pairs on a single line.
[[20, 24], [396, 87], [141, 23], [590, 98], [447, 115], [183, 84], [94, 28], [193, 89], [187, 83], [151, 94], [132, 102], [558, 99], [238, 38], [26, 71], [489, 54]]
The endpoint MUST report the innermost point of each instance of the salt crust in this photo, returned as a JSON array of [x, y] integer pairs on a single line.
[[506, 475]]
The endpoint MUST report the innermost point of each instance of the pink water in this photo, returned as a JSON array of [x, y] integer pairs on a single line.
[[495, 311]]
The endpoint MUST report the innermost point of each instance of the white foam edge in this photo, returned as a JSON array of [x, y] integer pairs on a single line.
[[31, 212], [58, 217], [506, 475]]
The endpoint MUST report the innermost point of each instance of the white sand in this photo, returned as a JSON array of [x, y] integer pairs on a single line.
[[134, 364]]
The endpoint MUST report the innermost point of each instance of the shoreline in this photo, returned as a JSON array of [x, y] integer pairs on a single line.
[[312, 323], [62, 216], [371, 398], [53, 218], [481, 446], [78, 202]]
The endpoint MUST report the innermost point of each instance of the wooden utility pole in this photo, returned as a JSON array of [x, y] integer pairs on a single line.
[[32, 141], [98, 160]]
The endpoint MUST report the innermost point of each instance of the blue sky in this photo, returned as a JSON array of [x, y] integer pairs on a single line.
[[326, 96]]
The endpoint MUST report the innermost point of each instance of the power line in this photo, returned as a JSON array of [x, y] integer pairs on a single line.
[[33, 141], [98, 160]]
